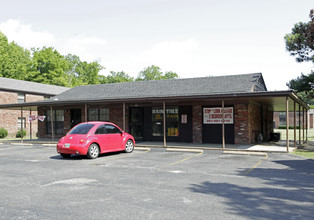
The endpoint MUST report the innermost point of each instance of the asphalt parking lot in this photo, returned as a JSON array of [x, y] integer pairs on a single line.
[[36, 183]]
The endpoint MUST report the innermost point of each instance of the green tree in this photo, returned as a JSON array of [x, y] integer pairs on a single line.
[[88, 72], [72, 75], [300, 42], [49, 67], [304, 85], [82, 73], [171, 75], [154, 73], [14, 60], [116, 77]]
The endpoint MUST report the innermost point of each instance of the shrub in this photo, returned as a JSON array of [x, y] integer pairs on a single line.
[[290, 127], [3, 132], [18, 134]]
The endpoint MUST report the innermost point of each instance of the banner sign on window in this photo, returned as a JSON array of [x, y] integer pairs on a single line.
[[214, 115], [34, 117]]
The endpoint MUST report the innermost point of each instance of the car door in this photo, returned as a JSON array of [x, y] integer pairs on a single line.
[[114, 137], [101, 135]]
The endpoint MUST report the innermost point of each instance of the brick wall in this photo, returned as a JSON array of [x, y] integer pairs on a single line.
[[9, 118], [255, 123], [197, 123], [67, 120], [116, 115], [241, 126], [42, 125]]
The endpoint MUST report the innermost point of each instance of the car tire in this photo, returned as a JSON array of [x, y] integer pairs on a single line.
[[129, 146], [65, 155], [93, 151]]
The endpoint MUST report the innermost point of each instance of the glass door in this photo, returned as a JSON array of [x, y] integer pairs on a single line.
[[136, 123]]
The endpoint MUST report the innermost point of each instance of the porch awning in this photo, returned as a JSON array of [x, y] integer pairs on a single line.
[[272, 99]]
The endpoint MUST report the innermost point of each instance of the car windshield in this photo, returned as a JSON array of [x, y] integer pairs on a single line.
[[81, 129]]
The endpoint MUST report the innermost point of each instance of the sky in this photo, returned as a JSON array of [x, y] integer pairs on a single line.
[[194, 38]]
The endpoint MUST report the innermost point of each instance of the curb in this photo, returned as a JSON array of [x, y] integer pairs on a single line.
[[185, 150], [49, 145], [20, 144], [142, 148], [245, 153]]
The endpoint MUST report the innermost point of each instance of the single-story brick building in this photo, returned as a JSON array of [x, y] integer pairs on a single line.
[[280, 118], [19, 91], [232, 109]]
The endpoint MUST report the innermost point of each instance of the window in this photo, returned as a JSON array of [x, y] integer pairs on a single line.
[[101, 130], [20, 97], [46, 97], [19, 123], [172, 122], [157, 119], [110, 129], [282, 118], [58, 121], [81, 129], [98, 114]]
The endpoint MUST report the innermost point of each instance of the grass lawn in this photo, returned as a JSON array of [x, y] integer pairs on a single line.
[[304, 153], [18, 139], [310, 134]]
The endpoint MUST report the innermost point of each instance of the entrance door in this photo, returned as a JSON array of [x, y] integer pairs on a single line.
[[76, 117], [136, 123]]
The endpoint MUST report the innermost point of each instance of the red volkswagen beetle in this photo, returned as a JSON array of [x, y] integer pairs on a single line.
[[94, 138]]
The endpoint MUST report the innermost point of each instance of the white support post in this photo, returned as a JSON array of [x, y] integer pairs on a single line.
[[123, 116], [294, 127], [299, 125], [52, 131], [303, 125], [22, 124], [85, 112], [287, 122], [223, 123], [164, 116]]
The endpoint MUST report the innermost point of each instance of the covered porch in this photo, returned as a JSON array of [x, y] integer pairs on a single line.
[[286, 101]]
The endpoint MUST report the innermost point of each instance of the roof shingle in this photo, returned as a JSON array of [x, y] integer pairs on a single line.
[[165, 88], [30, 87]]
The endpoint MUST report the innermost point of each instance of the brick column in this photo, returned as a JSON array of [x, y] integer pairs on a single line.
[[197, 124], [241, 126]]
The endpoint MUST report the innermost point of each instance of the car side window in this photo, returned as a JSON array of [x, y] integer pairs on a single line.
[[101, 130], [111, 129]]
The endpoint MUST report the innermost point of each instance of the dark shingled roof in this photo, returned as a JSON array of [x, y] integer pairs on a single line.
[[15, 85], [167, 88]]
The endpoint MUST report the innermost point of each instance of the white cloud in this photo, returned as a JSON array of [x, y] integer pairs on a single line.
[[169, 55], [24, 35], [86, 47]]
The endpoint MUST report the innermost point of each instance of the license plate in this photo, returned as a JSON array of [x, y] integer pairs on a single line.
[[67, 145]]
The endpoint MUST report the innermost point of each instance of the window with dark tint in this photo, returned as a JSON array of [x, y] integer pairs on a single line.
[[81, 129], [112, 129], [58, 121], [101, 130]]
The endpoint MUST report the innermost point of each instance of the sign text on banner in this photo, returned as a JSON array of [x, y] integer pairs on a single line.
[[214, 115]]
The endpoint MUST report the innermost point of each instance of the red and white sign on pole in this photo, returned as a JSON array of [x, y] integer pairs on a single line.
[[34, 117], [214, 115]]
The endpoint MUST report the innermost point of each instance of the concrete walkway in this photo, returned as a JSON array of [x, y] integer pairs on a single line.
[[264, 147]]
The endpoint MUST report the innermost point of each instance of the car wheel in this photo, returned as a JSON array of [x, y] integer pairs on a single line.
[[65, 155], [93, 151], [129, 146]]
